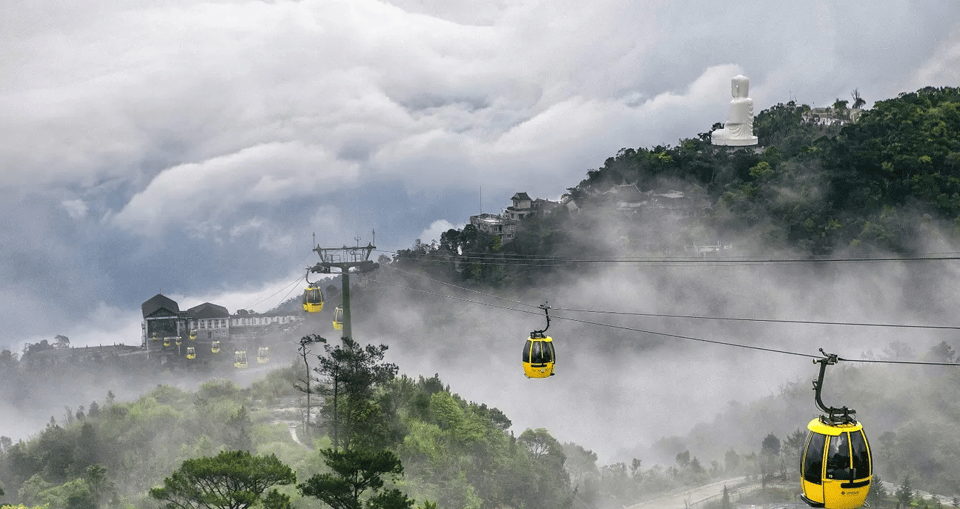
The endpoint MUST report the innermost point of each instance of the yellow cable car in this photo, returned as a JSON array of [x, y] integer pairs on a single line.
[[193, 334], [836, 467], [178, 340], [240, 359], [539, 355], [154, 336], [338, 318], [191, 352], [312, 298], [263, 355], [166, 341], [215, 347]]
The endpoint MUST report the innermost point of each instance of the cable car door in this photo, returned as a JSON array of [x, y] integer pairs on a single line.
[[811, 468]]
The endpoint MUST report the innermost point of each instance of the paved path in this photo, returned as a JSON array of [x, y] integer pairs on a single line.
[[692, 496]]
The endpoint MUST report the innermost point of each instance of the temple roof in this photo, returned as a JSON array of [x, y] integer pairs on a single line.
[[208, 310], [159, 303]]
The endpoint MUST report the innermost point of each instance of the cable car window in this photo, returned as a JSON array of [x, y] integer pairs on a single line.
[[861, 455], [838, 459], [813, 458], [526, 351], [536, 353], [551, 353]]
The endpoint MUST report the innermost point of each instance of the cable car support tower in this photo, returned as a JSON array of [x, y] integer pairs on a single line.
[[347, 259]]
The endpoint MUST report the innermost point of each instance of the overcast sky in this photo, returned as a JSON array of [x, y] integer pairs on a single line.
[[193, 147]]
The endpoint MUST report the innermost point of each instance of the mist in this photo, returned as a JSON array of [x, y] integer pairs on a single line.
[[623, 386], [626, 386]]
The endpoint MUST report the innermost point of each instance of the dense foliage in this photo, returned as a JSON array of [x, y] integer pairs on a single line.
[[888, 182], [456, 453], [230, 480]]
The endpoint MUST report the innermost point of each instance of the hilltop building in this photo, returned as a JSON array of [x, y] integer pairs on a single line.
[[832, 116], [506, 224]]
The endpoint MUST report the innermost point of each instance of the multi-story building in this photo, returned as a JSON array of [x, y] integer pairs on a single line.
[[204, 331], [506, 224]]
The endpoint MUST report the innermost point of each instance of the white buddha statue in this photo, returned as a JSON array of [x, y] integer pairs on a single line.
[[738, 131]]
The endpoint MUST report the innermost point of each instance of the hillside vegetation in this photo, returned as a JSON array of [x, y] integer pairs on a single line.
[[887, 184], [454, 453]]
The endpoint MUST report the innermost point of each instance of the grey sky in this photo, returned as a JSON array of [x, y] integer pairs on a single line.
[[194, 147]]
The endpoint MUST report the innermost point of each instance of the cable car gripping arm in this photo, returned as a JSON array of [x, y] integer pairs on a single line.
[[539, 333], [842, 415]]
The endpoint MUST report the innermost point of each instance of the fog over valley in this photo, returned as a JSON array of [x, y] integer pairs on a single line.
[[706, 202]]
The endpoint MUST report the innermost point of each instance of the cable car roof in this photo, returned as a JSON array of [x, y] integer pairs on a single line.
[[818, 426]]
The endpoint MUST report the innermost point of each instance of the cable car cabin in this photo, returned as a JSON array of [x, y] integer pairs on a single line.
[[179, 340], [240, 359], [193, 334], [166, 341], [836, 466], [312, 299], [338, 318], [538, 357], [263, 355], [215, 347], [191, 352]]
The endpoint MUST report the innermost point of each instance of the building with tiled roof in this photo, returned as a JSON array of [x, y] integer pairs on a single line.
[[506, 224], [200, 333]]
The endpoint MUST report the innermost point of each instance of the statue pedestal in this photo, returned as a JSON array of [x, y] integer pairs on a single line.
[[733, 142]]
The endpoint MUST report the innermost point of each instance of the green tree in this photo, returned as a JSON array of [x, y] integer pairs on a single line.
[[355, 473], [230, 480], [303, 384], [731, 461], [352, 373], [581, 464], [74, 494], [548, 466], [840, 109], [793, 445], [877, 494], [904, 493], [769, 452], [237, 431], [858, 101]]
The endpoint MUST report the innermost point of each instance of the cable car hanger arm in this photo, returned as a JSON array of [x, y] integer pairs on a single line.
[[842, 414], [539, 333]]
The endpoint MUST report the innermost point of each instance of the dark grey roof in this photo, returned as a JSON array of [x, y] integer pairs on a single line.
[[627, 193], [521, 196], [208, 310], [159, 303]]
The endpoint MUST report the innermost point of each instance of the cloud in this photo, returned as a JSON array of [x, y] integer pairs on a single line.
[[198, 193], [77, 209], [197, 146], [437, 228]]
